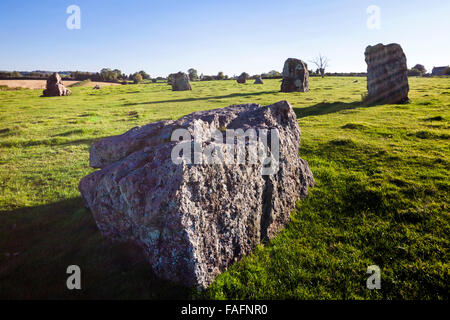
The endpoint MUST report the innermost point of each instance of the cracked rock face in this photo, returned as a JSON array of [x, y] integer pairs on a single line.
[[295, 76], [193, 220], [387, 74]]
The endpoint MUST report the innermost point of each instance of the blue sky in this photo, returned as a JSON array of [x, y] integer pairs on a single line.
[[232, 36]]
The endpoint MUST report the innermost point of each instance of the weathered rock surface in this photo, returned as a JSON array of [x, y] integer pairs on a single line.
[[295, 76], [55, 87], [180, 82], [193, 220], [258, 80], [387, 74]]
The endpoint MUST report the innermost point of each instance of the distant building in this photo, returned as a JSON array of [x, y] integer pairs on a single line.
[[438, 71]]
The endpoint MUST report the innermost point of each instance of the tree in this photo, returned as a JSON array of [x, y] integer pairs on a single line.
[[144, 75], [220, 76], [414, 72], [207, 78], [15, 74], [169, 79], [421, 68], [322, 63], [193, 76], [245, 75], [271, 74], [117, 74], [107, 74], [137, 78]]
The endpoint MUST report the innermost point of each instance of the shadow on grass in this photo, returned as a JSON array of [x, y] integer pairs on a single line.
[[328, 107], [233, 95], [37, 244], [55, 141]]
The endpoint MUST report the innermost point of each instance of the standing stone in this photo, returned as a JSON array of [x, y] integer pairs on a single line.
[[55, 87], [192, 221], [387, 74], [180, 82], [242, 78], [258, 80], [295, 76]]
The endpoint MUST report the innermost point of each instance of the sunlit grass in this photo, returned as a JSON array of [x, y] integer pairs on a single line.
[[381, 196]]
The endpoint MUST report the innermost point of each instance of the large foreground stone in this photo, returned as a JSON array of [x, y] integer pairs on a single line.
[[180, 82], [193, 220], [387, 74], [55, 87], [295, 76]]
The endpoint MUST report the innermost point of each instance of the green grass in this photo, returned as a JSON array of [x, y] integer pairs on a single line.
[[80, 83], [381, 198]]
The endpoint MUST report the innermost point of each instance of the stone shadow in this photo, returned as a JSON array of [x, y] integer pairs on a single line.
[[38, 243], [329, 107], [233, 95]]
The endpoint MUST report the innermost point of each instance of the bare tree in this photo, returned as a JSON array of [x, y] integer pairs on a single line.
[[321, 62]]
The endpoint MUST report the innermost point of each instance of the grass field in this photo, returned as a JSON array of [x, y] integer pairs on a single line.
[[381, 198], [40, 84]]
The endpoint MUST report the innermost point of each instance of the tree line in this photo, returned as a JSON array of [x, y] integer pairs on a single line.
[[116, 75], [105, 75]]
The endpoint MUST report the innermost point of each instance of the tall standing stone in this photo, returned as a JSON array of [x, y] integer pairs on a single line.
[[180, 82], [55, 87], [387, 74], [295, 76]]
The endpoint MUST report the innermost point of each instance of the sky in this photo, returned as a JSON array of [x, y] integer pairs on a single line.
[[232, 36]]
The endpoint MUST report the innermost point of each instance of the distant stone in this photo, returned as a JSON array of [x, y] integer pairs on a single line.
[[387, 74], [97, 87], [192, 221], [242, 78], [295, 76], [180, 82], [55, 87], [258, 80]]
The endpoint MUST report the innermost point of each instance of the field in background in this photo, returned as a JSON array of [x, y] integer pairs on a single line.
[[381, 198], [40, 84]]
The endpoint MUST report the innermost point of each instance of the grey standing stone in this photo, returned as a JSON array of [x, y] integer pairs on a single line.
[[180, 82], [258, 80], [295, 76], [242, 78], [387, 74]]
